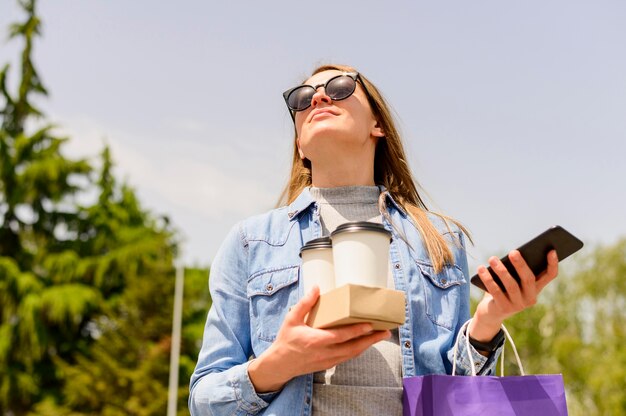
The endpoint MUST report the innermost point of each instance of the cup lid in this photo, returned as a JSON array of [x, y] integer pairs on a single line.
[[354, 226], [317, 243]]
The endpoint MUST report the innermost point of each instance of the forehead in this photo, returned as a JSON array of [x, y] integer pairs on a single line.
[[323, 76]]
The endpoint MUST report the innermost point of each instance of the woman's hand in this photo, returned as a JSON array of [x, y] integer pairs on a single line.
[[497, 305], [300, 349]]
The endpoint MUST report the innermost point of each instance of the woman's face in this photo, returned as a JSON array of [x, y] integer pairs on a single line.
[[331, 129]]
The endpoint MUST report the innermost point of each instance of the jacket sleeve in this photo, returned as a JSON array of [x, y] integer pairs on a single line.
[[220, 384], [484, 365]]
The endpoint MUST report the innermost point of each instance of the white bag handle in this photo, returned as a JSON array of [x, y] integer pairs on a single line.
[[469, 351]]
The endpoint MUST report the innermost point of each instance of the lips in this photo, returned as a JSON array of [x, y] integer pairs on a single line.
[[321, 112]]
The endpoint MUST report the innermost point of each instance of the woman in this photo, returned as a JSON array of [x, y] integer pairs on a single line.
[[258, 355]]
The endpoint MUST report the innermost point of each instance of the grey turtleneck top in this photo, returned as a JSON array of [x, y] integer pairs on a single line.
[[370, 384]]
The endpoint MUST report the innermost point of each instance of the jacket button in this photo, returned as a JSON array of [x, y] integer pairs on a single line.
[[269, 287], [397, 266], [291, 214], [444, 281], [407, 344]]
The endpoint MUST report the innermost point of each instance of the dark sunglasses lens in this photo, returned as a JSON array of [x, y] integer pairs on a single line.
[[340, 88], [300, 98]]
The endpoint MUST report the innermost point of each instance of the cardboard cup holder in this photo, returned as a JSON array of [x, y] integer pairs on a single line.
[[350, 304]]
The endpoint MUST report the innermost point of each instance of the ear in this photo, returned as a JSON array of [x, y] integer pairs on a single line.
[[377, 130], [299, 149]]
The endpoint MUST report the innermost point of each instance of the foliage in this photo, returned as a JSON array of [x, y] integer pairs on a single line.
[[85, 290], [41, 315]]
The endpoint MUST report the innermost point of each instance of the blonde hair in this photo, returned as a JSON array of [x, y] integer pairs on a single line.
[[390, 170]]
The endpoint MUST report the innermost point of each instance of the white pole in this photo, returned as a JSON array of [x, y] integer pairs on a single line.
[[172, 397]]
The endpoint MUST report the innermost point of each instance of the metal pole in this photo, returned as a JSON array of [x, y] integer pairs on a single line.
[[172, 397]]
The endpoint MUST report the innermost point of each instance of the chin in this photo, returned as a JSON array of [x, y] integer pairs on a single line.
[[326, 129]]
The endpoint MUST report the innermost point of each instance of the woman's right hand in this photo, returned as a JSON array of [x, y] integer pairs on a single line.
[[300, 349]]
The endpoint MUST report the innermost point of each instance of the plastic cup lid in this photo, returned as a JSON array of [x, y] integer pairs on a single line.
[[355, 226], [317, 243]]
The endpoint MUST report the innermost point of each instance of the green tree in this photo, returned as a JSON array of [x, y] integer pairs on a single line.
[[41, 313], [127, 373], [130, 260], [85, 290]]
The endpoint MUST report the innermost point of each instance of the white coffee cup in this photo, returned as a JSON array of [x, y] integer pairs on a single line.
[[317, 265], [361, 254]]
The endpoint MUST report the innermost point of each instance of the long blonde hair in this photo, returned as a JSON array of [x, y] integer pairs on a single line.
[[390, 169]]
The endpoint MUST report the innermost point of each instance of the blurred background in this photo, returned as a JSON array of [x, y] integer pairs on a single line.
[[135, 135]]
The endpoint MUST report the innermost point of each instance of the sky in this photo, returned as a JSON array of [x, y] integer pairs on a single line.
[[513, 113]]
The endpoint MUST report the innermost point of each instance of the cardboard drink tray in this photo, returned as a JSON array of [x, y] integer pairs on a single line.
[[350, 304]]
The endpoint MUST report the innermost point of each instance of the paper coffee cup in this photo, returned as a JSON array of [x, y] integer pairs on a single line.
[[317, 265], [361, 254]]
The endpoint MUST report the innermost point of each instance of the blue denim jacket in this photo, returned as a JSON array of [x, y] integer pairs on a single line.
[[255, 280]]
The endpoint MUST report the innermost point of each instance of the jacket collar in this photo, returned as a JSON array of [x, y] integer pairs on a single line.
[[389, 198], [301, 203]]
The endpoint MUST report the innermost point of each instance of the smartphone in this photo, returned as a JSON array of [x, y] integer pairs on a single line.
[[535, 253]]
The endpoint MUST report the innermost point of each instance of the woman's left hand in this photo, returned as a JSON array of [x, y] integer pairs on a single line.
[[497, 305]]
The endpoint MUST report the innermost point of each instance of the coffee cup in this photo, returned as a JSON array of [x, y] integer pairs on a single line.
[[361, 254], [317, 265]]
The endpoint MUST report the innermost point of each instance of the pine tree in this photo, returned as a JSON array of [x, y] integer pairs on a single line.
[[42, 312], [130, 261], [85, 289]]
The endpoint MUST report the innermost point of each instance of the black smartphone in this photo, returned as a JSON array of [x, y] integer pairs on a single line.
[[535, 253]]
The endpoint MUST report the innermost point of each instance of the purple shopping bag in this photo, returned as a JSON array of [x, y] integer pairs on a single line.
[[443, 395]]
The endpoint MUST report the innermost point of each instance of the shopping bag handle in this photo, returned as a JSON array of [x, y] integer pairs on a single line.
[[469, 351]]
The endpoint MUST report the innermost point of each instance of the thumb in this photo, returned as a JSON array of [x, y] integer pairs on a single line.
[[300, 309]]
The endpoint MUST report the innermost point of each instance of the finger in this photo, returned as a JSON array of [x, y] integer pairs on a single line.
[[510, 284], [492, 287], [355, 347], [304, 306], [527, 277], [328, 338], [551, 272], [345, 333]]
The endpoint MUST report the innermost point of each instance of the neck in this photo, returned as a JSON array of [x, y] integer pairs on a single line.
[[344, 174]]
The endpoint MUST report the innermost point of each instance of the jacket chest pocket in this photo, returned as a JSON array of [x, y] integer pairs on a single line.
[[271, 294], [442, 293]]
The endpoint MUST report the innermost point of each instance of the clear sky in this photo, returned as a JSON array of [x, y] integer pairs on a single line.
[[513, 113]]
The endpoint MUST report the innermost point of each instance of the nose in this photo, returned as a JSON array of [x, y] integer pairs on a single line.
[[320, 96]]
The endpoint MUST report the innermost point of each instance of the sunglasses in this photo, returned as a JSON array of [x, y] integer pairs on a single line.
[[337, 88]]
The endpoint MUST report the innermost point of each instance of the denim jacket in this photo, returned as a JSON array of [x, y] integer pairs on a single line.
[[255, 280]]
